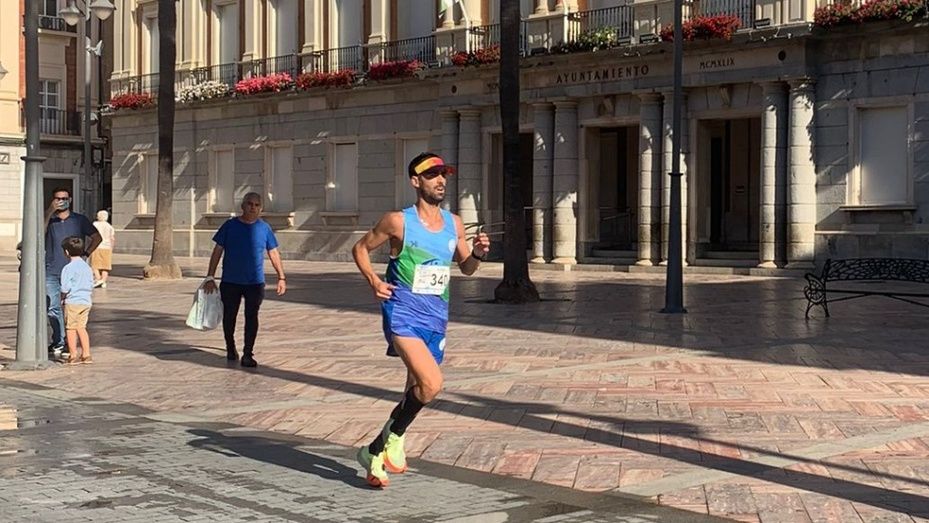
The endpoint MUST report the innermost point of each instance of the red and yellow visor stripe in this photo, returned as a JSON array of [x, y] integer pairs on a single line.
[[433, 164]]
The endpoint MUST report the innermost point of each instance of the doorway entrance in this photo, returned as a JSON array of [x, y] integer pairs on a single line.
[[729, 191], [617, 192]]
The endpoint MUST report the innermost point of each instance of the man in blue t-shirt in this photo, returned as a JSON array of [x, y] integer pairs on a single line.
[[62, 223], [244, 239]]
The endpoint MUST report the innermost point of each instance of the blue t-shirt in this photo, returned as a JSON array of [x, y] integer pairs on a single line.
[[56, 232], [77, 283], [244, 246]]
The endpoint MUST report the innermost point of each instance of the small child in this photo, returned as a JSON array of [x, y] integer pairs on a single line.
[[77, 284]]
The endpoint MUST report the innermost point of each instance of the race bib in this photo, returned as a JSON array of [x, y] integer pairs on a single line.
[[431, 279]]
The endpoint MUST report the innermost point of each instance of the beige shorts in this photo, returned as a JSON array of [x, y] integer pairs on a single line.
[[76, 316], [102, 260]]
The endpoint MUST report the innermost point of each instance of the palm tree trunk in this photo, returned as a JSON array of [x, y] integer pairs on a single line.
[[516, 286], [162, 264]]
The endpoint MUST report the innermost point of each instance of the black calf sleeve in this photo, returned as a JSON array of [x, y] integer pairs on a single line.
[[405, 412]]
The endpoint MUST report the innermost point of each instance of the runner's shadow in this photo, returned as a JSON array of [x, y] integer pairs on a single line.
[[277, 453]]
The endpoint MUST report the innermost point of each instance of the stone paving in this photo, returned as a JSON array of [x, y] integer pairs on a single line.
[[739, 409]]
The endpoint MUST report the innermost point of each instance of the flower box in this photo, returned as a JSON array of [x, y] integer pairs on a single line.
[[272, 83], [131, 101], [342, 78], [487, 55], [705, 28], [398, 69]]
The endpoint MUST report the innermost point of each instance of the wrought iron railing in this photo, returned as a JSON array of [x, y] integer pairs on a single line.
[[337, 59], [422, 49], [744, 10], [484, 36], [57, 122], [291, 64], [619, 19], [55, 23]]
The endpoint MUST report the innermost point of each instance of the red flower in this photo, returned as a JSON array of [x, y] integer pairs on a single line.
[[342, 78], [487, 55], [398, 69], [272, 83], [705, 28], [132, 101]]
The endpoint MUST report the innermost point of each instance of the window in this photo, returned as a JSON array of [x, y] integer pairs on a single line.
[[414, 20], [343, 178], [228, 17], [48, 8], [409, 149], [222, 180], [149, 187], [884, 159], [350, 19], [49, 104], [279, 184], [285, 27]]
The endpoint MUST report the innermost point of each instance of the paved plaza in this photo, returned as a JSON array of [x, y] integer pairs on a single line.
[[589, 406]]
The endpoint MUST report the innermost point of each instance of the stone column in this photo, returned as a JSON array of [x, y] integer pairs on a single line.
[[448, 17], [380, 21], [565, 183], [312, 25], [253, 30], [541, 7], [650, 176], [773, 175], [450, 155], [542, 172], [666, 178], [801, 190], [469, 166]]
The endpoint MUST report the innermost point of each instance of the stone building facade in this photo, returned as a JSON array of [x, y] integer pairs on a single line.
[[799, 144]]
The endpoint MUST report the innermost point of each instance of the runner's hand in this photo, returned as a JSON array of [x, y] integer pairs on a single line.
[[481, 244], [209, 287], [383, 290], [281, 287]]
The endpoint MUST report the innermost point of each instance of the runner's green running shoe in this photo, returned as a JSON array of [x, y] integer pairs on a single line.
[[374, 467], [394, 455]]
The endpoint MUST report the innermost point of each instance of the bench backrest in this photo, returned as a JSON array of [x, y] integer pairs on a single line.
[[876, 269]]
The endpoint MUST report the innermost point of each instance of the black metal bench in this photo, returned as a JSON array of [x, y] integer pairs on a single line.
[[865, 270]]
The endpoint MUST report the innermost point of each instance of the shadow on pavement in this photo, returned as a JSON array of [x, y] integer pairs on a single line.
[[277, 453], [629, 436]]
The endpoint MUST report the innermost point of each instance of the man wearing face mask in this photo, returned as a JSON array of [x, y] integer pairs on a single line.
[[61, 223]]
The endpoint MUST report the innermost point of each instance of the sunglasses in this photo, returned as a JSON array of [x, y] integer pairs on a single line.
[[66, 198], [435, 174]]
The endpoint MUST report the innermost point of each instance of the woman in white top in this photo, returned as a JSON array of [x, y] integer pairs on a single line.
[[101, 260]]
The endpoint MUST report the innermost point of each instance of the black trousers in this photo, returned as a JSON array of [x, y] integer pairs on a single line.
[[232, 295]]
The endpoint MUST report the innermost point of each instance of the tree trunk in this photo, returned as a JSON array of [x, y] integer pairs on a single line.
[[162, 264], [516, 286]]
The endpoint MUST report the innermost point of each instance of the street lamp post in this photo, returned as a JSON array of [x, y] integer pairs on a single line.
[[674, 282], [30, 313], [72, 15]]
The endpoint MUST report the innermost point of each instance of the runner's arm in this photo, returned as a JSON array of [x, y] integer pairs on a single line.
[[388, 227], [464, 254]]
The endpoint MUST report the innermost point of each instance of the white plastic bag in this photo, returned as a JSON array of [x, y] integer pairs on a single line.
[[206, 313]]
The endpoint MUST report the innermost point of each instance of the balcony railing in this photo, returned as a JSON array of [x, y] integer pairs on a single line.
[[337, 59], [56, 122], [55, 23], [422, 49], [618, 19], [484, 36], [744, 10]]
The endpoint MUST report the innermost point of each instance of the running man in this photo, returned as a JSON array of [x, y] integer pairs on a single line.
[[424, 241]]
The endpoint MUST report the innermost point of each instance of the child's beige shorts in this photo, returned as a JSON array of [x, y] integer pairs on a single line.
[[76, 316]]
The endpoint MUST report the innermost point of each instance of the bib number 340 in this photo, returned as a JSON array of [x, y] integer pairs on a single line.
[[431, 279]]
